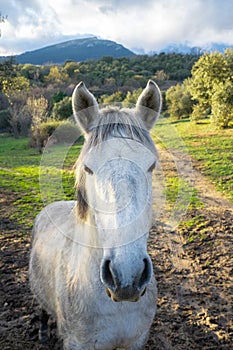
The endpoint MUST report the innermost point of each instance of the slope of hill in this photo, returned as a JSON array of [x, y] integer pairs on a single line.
[[186, 48], [75, 50]]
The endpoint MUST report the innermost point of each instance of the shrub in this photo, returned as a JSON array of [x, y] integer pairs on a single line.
[[222, 105], [132, 97], [55, 131], [44, 131], [57, 97], [4, 103], [20, 120], [38, 109], [66, 132], [179, 101], [62, 109], [5, 117], [199, 112], [117, 96]]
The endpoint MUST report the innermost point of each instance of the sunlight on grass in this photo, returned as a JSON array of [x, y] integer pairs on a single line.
[[176, 187], [20, 167], [211, 150]]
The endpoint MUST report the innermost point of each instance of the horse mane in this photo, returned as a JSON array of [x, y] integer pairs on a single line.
[[113, 122]]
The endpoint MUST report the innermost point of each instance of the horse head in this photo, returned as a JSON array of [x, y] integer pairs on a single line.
[[114, 187]]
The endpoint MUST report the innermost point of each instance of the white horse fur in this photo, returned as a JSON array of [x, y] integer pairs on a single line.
[[89, 266]]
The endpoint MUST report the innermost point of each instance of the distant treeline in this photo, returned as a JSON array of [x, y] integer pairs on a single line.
[[105, 75], [34, 100]]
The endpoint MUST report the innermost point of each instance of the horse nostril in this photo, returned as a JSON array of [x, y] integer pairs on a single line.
[[146, 274], [107, 275]]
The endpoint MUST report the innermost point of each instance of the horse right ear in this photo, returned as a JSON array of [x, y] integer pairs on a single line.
[[149, 104], [85, 108]]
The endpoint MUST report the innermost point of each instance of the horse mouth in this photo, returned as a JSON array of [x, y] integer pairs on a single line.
[[118, 297]]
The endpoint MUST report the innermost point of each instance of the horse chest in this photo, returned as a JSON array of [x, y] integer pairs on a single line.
[[117, 331], [119, 325]]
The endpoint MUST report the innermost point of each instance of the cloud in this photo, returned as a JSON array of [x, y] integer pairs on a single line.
[[148, 24], [29, 24]]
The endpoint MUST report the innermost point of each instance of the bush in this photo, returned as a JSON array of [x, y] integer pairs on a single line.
[[66, 132], [20, 120], [117, 96], [199, 112], [57, 97], [222, 115], [5, 117], [132, 97], [62, 109], [4, 103], [179, 101], [56, 132], [222, 105], [40, 136]]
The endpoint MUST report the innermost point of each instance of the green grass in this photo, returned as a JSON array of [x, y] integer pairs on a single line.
[[37, 180], [211, 150], [20, 173], [181, 194]]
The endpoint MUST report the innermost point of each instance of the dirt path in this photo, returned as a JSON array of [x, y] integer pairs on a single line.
[[193, 267]]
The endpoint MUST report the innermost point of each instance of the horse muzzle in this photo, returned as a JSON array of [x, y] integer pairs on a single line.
[[126, 282], [125, 294]]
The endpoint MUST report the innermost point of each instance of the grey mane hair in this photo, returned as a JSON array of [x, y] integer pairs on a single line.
[[113, 122]]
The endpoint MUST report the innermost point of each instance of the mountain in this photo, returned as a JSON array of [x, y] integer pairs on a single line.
[[75, 50], [186, 48]]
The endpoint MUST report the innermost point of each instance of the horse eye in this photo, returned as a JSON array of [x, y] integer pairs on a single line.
[[88, 170], [151, 168]]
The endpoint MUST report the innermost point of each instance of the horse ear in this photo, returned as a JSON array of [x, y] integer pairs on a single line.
[[85, 107], [149, 104]]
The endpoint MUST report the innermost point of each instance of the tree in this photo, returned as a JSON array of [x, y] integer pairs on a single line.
[[31, 72], [62, 109], [179, 101], [211, 87], [222, 105], [71, 68], [20, 120], [161, 75], [209, 71], [57, 97], [132, 97], [56, 76], [8, 70], [16, 84], [38, 109], [118, 96]]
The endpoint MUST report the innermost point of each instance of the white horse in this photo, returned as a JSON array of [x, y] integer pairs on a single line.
[[89, 266]]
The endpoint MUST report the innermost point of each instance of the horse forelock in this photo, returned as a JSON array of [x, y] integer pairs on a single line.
[[113, 122]]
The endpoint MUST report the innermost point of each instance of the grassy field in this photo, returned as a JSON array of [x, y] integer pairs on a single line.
[[37, 180], [211, 150], [22, 172]]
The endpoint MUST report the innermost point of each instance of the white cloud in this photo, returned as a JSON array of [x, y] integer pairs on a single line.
[[148, 24]]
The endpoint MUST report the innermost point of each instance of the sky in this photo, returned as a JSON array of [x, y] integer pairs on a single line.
[[140, 25]]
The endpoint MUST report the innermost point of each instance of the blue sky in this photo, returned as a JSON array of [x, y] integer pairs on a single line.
[[147, 25]]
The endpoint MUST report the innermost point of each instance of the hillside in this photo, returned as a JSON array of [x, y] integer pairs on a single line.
[[188, 49], [75, 50]]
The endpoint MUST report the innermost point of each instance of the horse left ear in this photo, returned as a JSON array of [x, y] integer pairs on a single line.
[[85, 108], [149, 104]]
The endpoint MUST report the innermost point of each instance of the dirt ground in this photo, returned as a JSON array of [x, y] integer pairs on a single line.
[[194, 270]]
